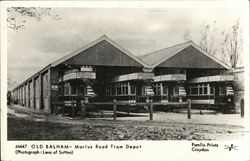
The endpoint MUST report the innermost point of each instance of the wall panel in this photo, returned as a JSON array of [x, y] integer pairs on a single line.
[[37, 93], [45, 89]]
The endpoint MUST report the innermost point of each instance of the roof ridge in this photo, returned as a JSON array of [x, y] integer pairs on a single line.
[[98, 40], [142, 56]]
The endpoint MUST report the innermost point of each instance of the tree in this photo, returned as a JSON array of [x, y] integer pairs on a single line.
[[206, 41], [187, 36], [228, 46], [11, 84], [207, 38], [232, 44], [16, 16]]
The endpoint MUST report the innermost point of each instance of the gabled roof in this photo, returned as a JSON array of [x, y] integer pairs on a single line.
[[158, 57], [78, 51], [93, 43]]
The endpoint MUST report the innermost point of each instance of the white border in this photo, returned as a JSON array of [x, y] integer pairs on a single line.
[[152, 150]]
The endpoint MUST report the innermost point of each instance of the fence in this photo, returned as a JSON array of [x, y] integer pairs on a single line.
[[115, 103]]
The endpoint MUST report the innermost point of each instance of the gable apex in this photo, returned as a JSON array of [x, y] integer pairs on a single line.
[[95, 42]]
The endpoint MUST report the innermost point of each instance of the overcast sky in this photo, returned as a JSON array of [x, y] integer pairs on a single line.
[[138, 30]]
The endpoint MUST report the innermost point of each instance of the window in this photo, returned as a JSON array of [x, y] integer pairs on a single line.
[[119, 89], [222, 90], [132, 89], [73, 90], [81, 90], [66, 89], [125, 89], [199, 89], [157, 88], [211, 90], [205, 90], [108, 90], [194, 89], [164, 90], [176, 90], [60, 90], [143, 90]]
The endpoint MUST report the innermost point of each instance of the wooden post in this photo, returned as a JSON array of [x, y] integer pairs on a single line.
[[83, 110], [189, 108], [56, 108], [242, 107], [53, 109], [114, 108], [128, 109], [63, 108], [151, 109]]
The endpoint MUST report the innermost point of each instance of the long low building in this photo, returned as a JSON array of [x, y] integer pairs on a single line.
[[103, 70]]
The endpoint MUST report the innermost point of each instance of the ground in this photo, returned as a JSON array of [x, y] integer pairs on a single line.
[[25, 123]]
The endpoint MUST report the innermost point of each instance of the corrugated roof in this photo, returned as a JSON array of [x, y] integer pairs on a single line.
[[157, 57]]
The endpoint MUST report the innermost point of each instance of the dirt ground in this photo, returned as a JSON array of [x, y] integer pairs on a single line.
[[26, 123]]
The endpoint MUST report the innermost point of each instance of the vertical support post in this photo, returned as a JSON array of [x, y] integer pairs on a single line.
[[242, 107], [128, 109], [25, 96], [151, 109], [53, 109], [40, 89], [49, 89], [56, 108], [189, 108], [63, 108], [114, 108], [34, 93], [83, 110]]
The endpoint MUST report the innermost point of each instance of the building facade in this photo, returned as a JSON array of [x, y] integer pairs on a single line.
[[103, 70]]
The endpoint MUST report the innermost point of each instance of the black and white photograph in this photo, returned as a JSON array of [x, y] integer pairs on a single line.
[[126, 74]]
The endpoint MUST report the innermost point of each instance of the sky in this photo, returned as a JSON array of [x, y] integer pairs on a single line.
[[139, 30]]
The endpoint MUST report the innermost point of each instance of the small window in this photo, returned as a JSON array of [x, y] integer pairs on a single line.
[[73, 90], [143, 90], [194, 89], [176, 90], [109, 90], [81, 90], [200, 90], [212, 90], [157, 88], [60, 90], [66, 89], [205, 90], [222, 90], [164, 90], [125, 89], [119, 90], [132, 87]]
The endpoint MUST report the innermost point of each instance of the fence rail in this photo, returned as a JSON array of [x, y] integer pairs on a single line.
[[149, 104]]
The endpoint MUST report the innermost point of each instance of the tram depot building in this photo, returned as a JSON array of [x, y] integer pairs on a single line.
[[103, 70]]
